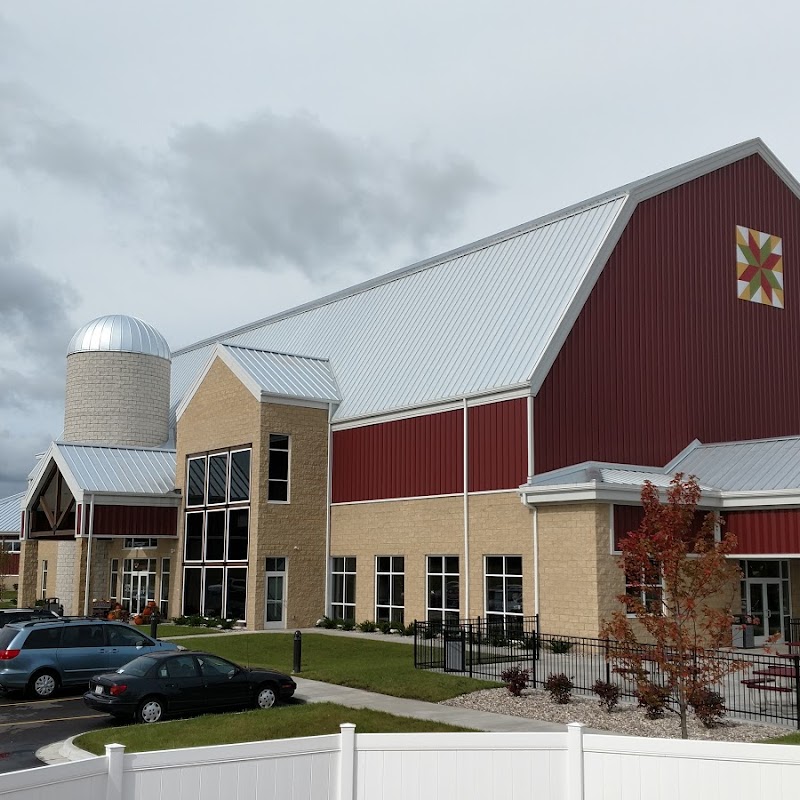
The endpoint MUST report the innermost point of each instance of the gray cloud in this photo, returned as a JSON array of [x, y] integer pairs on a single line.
[[274, 191], [17, 453], [35, 327], [36, 137]]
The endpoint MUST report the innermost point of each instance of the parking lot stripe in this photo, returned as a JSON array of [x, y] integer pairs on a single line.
[[38, 702], [42, 721]]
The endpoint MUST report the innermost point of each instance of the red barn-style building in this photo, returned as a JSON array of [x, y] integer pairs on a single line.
[[468, 436]]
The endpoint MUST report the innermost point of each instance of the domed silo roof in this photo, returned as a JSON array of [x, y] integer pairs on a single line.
[[119, 333]]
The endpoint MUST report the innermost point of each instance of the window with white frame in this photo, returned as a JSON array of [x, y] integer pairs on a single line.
[[503, 596], [390, 589], [163, 604], [443, 589], [12, 545], [216, 534], [140, 544], [44, 578], [278, 472], [113, 584], [648, 589], [343, 587]]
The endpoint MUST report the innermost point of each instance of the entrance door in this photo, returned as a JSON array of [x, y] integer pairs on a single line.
[[766, 598], [275, 611], [141, 591]]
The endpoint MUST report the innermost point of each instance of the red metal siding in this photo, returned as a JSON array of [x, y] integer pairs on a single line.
[[775, 532], [663, 351], [413, 457], [135, 521], [498, 445], [626, 519], [11, 564]]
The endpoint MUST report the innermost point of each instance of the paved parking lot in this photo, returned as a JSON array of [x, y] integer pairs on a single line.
[[26, 725]]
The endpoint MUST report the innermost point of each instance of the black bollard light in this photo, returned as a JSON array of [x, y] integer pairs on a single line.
[[154, 624], [298, 651]]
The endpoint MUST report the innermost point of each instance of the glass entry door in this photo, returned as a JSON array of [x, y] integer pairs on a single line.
[[275, 610], [138, 583], [765, 598]]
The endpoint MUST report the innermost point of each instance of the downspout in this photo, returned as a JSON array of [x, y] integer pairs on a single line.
[[88, 556], [466, 511], [531, 471], [329, 492]]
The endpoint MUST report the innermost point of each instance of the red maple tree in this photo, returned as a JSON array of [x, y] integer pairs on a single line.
[[680, 585]]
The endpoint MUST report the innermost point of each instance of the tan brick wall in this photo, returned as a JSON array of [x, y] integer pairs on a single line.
[[294, 530], [221, 414], [224, 414], [28, 591], [579, 577], [415, 529]]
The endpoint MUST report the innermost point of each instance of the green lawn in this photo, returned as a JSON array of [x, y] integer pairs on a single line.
[[378, 666], [8, 599], [280, 722], [790, 738]]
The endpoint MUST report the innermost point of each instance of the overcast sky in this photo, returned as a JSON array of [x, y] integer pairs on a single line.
[[201, 165]]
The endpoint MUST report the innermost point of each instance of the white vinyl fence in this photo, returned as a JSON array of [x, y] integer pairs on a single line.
[[427, 766]]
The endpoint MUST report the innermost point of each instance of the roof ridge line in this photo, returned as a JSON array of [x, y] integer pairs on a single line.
[[159, 449], [324, 359]]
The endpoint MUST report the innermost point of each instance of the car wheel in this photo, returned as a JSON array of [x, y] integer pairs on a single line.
[[43, 684], [265, 697], [151, 709]]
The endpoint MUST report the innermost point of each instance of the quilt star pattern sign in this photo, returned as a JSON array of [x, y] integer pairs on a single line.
[[759, 267]]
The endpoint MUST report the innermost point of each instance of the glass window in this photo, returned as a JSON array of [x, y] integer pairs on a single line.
[[217, 478], [83, 636], [114, 583], [140, 544], [390, 589], [212, 591], [193, 540], [503, 582], [278, 491], [235, 592], [124, 636], [214, 666], [276, 565], [648, 589], [215, 535], [164, 598], [196, 485], [343, 588], [443, 589], [192, 583], [41, 638], [238, 519], [44, 578], [178, 667], [240, 476]]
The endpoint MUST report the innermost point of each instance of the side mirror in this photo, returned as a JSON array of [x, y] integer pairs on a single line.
[[140, 644], [233, 673]]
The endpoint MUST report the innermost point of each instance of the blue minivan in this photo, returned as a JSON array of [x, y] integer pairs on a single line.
[[42, 656]]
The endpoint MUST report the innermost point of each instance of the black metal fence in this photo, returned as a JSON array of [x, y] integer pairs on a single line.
[[480, 647], [757, 686]]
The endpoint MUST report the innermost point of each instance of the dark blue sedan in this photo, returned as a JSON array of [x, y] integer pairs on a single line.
[[154, 685]]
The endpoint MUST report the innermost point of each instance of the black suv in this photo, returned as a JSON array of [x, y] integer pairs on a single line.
[[24, 615]]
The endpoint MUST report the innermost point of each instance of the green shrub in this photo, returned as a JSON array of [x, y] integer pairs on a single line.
[[409, 629], [180, 620], [560, 687], [516, 679], [385, 626], [560, 646], [367, 626], [348, 624]]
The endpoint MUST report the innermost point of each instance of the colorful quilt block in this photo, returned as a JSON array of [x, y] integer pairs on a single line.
[[759, 267]]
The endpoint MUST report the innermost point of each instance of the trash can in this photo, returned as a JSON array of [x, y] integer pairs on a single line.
[[742, 634], [455, 650]]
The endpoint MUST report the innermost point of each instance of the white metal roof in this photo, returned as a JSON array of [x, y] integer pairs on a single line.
[[283, 375], [11, 514], [487, 317], [116, 470], [120, 334], [757, 465], [471, 323]]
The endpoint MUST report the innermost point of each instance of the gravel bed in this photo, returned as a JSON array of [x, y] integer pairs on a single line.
[[625, 719]]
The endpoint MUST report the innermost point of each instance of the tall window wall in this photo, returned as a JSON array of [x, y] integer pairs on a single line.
[[217, 533]]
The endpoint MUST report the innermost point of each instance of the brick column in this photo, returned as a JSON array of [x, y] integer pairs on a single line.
[[28, 573]]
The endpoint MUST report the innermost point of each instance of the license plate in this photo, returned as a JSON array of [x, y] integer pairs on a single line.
[[98, 689]]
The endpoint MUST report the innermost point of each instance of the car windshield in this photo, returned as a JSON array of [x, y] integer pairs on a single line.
[[138, 667], [6, 637]]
